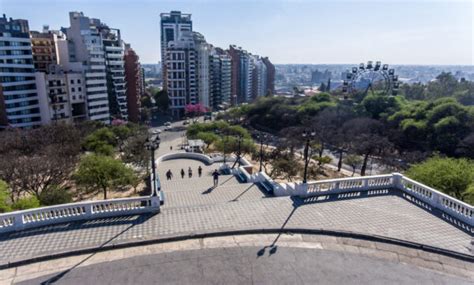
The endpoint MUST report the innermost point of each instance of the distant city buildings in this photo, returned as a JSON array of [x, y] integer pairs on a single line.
[[71, 75], [19, 102], [135, 83], [195, 72]]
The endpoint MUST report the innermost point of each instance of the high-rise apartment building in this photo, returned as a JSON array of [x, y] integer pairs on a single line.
[[270, 75], [202, 66], [259, 77], [196, 72], [19, 105], [235, 53], [116, 86], [181, 80], [45, 48], [220, 77], [62, 97], [133, 77], [86, 49], [172, 25]]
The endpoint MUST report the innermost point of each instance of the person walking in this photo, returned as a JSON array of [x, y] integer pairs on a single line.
[[171, 147], [200, 170], [190, 172], [215, 176], [169, 174], [182, 173]]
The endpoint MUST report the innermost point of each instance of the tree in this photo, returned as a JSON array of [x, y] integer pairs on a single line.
[[367, 139], [98, 172], [5, 206], [466, 147], [162, 100], [286, 166], [452, 176], [101, 141], [195, 110], [54, 196], [146, 102], [134, 150], [33, 161], [26, 203], [353, 161]]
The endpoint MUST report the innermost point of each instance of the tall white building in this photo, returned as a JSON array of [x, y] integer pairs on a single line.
[[19, 105], [220, 67], [202, 64], [85, 47], [172, 25], [181, 75], [114, 56], [62, 97]]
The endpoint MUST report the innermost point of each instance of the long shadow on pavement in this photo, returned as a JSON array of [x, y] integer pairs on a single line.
[[60, 275], [76, 225], [241, 194], [297, 202]]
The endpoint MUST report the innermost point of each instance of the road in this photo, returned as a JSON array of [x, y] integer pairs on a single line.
[[250, 265], [175, 138]]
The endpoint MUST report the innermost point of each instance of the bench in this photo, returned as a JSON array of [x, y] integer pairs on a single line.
[[267, 186]]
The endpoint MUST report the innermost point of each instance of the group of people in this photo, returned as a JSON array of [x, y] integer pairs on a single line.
[[215, 174], [169, 174]]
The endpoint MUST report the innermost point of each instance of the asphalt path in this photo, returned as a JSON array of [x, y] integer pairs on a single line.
[[250, 265]]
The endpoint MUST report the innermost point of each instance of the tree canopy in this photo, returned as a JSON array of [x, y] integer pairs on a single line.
[[98, 172]]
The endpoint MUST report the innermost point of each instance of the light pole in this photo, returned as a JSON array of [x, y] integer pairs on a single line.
[[223, 136], [307, 135], [261, 137], [239, 152], [153, 145]]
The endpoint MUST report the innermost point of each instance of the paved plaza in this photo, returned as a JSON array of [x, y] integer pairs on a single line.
[[244, 265], [193, 207]]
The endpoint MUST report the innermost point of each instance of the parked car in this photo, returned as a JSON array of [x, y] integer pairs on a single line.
[[157, 131], [186, 122], [168, 124], [168, 128]]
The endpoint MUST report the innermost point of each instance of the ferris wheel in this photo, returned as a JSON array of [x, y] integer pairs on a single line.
[[373, 77]]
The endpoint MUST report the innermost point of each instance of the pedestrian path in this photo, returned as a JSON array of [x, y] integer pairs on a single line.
[[191, 208]]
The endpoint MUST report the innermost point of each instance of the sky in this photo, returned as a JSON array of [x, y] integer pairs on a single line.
[[310, 32]]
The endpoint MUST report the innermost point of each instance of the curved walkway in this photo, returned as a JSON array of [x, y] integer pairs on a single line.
[[192, 207], [262, 259]]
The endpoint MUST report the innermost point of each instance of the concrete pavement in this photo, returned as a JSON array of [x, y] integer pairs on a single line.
[[246, 259]]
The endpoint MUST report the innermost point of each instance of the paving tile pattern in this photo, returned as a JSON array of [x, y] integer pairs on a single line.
[[191, 208]]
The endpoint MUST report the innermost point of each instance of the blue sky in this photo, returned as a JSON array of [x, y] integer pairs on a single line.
[[291, 31]]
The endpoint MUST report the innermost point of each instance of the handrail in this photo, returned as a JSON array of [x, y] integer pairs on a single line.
[[26, 219], [432, 197]]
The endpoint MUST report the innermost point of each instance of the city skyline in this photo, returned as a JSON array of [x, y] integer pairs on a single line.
[[289, 32]]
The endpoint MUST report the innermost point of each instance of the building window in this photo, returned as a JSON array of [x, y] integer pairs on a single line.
[[72, 89], [79, 89]]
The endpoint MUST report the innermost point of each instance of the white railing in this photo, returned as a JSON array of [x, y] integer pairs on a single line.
[[65, 213], [430, 197], [334, 186], [458, 209]]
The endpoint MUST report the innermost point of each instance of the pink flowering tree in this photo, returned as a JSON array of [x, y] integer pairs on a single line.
[[118, 122], [195, 110]]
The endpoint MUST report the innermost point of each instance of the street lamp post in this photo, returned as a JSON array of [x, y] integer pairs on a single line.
[[308, 135], [153, 145], [239, 152], [223, 136], [261, 137]]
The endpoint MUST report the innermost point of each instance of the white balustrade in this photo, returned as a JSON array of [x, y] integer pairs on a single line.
[[65, 213], [434, 198]]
